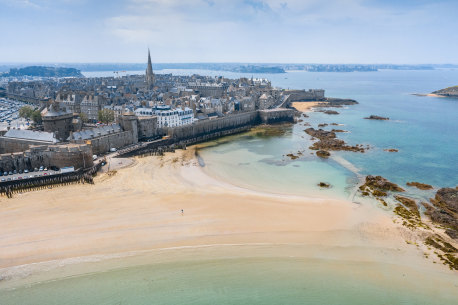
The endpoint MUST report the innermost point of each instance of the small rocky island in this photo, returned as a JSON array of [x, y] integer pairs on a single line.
[[376, 117], [447, 92]]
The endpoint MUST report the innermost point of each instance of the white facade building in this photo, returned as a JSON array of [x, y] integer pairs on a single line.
[[167, 117], [144, 112]]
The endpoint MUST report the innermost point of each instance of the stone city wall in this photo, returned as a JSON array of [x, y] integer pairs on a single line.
[[12, 145], [117, 140], [276, 116], [79, 156], [302, 95], [213, 126]]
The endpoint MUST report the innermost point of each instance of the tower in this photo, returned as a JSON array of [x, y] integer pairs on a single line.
[[149, 74]]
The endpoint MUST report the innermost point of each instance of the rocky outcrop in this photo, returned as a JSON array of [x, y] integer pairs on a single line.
[[329, 142], [323, 154], [381, 184], [331, 112], [338, 130], [322, 125], [444, 210], [376, 117], [292, 156], [421, 186], [324, 185], [448, 92], [391, 150]]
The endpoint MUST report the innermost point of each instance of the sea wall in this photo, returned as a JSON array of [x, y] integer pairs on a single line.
[[214, 126], [276, 115], [77, 155], [208, 130]]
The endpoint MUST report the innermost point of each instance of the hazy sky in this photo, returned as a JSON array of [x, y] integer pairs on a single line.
[[303, 31]]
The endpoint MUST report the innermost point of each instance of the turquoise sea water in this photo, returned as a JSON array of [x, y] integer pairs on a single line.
[[268, 281], [424, 129]]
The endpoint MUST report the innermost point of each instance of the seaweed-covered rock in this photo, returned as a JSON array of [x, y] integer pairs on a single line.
[[444, 210], [409, 203], [382, 184], [292, 156], [391, 150], [323, 154], [329, 142], [324, 185], [447, 198], [421, 186], [320, 133]]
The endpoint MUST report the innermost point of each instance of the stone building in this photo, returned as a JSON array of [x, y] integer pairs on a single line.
[[91, 105], [58, 121], [70, 101]]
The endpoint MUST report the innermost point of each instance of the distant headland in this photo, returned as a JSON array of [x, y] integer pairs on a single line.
[[447, 92], [41, 71]]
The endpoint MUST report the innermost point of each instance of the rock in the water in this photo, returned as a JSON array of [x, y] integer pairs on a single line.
[[376, 117], [391, 150], [322, 125], [421, 186], [329, 142], [331, 112], [382, 184], [323, 184], [292, 156], [323, 154]]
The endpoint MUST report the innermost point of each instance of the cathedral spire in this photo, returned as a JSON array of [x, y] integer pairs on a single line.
[[149, 73]]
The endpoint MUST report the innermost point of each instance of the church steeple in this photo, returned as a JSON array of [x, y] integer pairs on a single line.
[[149, 73]]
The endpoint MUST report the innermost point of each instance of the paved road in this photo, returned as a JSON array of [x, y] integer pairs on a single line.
[[28, 175]]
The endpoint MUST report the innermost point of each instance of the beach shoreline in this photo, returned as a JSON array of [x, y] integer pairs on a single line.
[[305, 106], [138, 210]]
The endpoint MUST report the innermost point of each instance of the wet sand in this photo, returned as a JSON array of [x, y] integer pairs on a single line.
[[139, 209]]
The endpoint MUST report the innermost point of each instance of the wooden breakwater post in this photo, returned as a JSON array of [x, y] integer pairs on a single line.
[[8, 188]]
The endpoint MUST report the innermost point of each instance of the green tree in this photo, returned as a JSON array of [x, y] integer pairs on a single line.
[[26, 112], [106, 116], [36, 117], [83, 117]]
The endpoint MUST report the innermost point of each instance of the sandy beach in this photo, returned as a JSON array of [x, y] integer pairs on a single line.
[[139, 209], [305, 106]]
